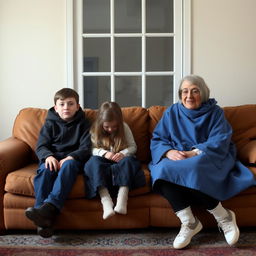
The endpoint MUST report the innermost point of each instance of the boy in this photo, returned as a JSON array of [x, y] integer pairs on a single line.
[[63, 147]]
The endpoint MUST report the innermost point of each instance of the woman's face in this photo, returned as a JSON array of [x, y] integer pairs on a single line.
[[190, 95]]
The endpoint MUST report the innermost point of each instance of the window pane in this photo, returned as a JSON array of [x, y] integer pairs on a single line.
[[127, 16], [96, 91], [159, 15], [159, 90], [128, 90], [96, 16], [97, 50], [127, 54], [159, 54]]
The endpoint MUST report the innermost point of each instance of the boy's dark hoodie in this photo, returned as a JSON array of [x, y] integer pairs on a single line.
[[60, 139]]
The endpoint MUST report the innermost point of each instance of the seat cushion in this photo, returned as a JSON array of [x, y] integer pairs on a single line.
[[20, 182]]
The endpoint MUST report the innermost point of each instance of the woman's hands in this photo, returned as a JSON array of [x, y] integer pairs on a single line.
[[116, 157], [179, 155]]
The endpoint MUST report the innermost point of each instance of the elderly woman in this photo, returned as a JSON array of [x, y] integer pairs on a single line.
[[194, 161]]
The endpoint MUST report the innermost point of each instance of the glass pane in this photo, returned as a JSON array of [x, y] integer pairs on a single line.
[[159, 90], [127, 54], [96, 54], [96, 91], [159, 54], [127, 16], [128, 90], [96, 16], [159, 15]]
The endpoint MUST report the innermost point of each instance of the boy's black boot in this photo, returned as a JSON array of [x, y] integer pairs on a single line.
[[44, 216]]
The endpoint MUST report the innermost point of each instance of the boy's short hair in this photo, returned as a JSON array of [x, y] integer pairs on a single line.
[[66, 93]]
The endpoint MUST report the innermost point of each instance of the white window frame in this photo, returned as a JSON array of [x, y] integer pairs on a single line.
[[182, 48]]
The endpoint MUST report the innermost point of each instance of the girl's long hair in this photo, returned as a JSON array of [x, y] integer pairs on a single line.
[[108, 112]]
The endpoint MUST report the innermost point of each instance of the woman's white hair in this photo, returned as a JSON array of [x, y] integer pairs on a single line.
[[200, 83]]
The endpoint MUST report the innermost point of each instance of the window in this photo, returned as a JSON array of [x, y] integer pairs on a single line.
[[133, 52]]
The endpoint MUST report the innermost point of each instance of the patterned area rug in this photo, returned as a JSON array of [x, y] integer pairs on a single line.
[[149, 242]]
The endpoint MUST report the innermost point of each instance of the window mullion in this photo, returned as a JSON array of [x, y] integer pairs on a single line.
[[178, 6], [79, 48], [112, 50], [143, 53]]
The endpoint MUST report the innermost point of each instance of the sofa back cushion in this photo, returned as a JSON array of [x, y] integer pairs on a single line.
[[27, 125], [29, 121], [155, 114], [243, 121]]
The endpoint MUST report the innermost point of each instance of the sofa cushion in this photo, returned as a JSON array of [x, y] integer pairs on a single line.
[[27, 125], [155, 114], [243, 121], [29, 121], [21, 182]]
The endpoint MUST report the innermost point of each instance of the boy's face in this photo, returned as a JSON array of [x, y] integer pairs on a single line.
[[66, 108]]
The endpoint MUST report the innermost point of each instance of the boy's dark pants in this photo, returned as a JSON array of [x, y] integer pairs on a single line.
[[53, 187]]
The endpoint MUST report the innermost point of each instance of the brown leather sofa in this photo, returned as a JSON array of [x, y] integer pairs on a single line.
[[18, 164]]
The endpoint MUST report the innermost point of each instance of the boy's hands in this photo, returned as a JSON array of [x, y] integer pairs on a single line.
[[64, 160], [53, 164]]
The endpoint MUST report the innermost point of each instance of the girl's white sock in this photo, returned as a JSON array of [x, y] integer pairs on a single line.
[[107, 203], [122, 198]]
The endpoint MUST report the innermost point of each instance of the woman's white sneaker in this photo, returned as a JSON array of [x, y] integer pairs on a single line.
[[229, 227], [187, 231]]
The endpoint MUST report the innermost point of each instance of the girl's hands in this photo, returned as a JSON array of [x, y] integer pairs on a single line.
[[109, 155], [116, 157]]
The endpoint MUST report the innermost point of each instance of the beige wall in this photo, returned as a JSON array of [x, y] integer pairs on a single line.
[[33, 52], [224, 48], [32, 56]]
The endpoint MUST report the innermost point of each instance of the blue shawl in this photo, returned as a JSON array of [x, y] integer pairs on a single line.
[[216, 171]]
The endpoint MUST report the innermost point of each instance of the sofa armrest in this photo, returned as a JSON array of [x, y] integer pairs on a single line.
[[14, 154]]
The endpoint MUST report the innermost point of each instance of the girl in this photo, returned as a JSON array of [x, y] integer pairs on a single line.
[[112, 169]]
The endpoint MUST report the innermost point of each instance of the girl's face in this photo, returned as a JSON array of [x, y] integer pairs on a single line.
[[110, 127]]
